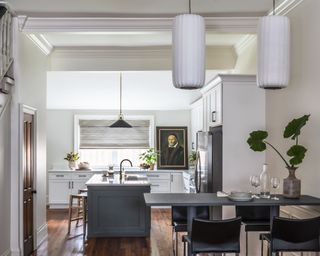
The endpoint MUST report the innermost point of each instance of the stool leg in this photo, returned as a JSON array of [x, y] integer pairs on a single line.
[[77, 224], [261, 247], [70, 213], [184, 249], [177, 243], [173, 238], [84, 216], [246, 243]]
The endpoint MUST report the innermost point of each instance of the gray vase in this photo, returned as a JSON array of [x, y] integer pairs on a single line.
[[291, 185]]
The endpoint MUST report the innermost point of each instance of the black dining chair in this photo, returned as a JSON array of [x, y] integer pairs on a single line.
[[255, 219], [179, 218], [214, 236], [292, 235]]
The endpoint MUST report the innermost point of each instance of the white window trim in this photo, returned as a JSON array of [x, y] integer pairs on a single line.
[[77, 118]]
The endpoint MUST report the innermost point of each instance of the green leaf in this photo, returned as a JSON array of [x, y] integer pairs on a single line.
[[293, 129], [297, 152], [256, 142]]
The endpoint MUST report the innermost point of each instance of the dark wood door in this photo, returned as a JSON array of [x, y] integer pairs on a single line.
[[28, 169]]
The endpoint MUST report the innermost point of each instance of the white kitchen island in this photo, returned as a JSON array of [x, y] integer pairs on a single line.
[[116, 208]]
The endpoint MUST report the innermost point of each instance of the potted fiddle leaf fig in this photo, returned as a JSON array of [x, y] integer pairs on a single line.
[[258, 142]]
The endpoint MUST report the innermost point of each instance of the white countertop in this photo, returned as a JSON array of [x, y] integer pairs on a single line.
[[136, 170], [98, 180]]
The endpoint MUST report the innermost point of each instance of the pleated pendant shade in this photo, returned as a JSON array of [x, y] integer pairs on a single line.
[[273, 69], [188, 51]]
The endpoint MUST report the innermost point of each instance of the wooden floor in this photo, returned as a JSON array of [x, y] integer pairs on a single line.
[[60, 244]]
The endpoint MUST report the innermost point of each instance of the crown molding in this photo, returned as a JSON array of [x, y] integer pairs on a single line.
[[57, 24], [286, 6], [244, 43], [40, 41]]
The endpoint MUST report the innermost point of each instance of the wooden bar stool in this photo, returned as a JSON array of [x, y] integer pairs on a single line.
[[81, 211]]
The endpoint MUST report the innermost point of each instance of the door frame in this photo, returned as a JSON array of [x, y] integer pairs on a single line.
[[25, 109]]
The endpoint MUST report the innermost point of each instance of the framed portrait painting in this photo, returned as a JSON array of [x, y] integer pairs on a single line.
[[172, 145]]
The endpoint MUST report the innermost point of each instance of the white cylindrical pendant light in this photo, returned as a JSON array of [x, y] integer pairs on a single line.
[[188, 51], [273, 69]]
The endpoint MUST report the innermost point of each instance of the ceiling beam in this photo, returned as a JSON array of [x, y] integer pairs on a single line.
[[136, 58]]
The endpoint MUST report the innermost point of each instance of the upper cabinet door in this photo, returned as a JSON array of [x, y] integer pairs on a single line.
[[196, 121], [215, 114], [213, 107]]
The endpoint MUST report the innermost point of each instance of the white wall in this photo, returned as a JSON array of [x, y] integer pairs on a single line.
[[300, 97], [60, 128], [30, 89], [141, 90], [5, 177]]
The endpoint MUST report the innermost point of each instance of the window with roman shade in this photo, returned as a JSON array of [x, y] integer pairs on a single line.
[[96, 134], [101, 145]]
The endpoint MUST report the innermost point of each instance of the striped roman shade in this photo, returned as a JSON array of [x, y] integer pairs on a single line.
[[95, 134]]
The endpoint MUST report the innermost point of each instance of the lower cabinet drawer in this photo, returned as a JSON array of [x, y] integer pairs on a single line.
[[158, 176], [81, 176], [60, 176], [160, 186]]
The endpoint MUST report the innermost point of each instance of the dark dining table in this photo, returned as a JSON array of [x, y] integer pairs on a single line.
[[191, 201]]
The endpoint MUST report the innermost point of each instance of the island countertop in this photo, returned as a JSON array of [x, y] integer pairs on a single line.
[[131, 180]]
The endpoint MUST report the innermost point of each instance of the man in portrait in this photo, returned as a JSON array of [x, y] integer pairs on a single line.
[[173, 153]]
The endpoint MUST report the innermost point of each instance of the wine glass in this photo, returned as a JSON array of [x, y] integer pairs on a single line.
[[255, 182], [275, 182]]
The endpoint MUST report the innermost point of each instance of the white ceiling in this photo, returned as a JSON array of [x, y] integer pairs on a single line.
[[142, 90]]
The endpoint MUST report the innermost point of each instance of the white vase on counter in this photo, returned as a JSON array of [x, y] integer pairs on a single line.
[[72, 165]]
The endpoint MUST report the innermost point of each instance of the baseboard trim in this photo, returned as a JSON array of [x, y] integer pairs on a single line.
[[42, 234], [15, 253], [6, 253]]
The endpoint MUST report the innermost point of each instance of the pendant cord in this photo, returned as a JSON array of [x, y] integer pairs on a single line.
[[189, 6], [120, 94], [274, 7]]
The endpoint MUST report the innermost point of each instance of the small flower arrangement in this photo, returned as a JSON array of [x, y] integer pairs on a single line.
[[72, 156], [149, 158]]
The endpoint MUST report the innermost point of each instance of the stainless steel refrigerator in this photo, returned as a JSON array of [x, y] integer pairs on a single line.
[[208, 171]]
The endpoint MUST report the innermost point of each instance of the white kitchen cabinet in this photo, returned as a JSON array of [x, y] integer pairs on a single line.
[[176, 183], [196, 121], [62, 184], [212, 106], [160, 182], [59, 191], [166, 182]]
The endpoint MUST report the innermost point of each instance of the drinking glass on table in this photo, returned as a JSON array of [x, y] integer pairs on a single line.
[[275, 182], [255, 182]]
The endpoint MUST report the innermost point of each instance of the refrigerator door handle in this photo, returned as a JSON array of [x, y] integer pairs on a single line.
[[197, 178]]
